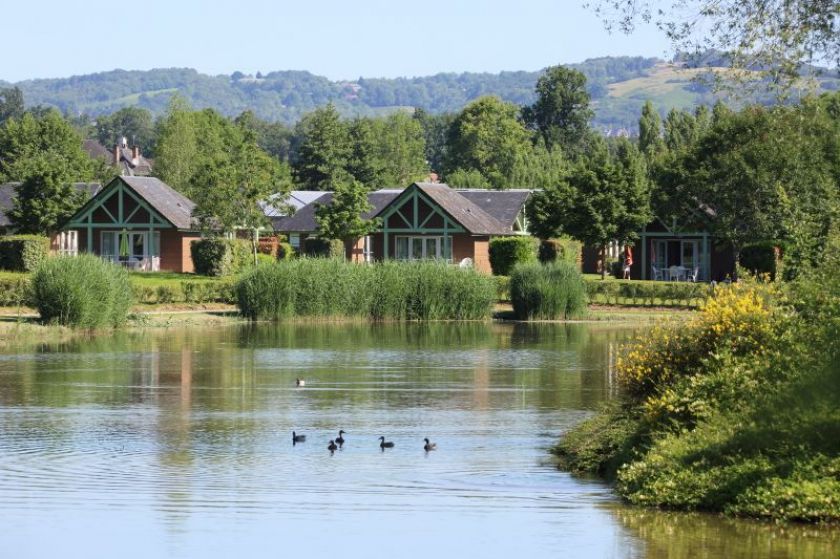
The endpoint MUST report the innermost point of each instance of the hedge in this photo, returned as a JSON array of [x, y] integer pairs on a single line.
[[507, 252], [14, 291], [650, 293], [285, 251], [215, 256], [560, 250], [23, 253], [762, 259], [315, 247]]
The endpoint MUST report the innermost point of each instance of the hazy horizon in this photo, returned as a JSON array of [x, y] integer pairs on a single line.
[[370, 38]]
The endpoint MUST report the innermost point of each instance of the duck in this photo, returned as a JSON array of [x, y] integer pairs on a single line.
[[340, 439], [297, 438], [300, 382], [429, 446], [383, 445], [332, 447]]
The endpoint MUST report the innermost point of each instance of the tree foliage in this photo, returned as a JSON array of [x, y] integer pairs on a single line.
[[778, 37], [487, 137], [133, 123], [561, 113], [324, 149], [342, 217], [44, 154]]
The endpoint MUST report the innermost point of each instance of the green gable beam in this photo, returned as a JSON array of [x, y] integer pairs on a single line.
[[84, 217], [411, 199]]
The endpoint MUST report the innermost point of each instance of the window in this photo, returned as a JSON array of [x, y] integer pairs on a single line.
[[367, 249], [422, 248], [129, 246], [294, 240], [68, 243]]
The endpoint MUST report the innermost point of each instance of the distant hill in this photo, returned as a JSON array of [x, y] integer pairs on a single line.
[[619, 86]]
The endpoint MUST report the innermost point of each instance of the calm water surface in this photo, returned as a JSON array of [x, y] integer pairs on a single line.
[[177, 443]]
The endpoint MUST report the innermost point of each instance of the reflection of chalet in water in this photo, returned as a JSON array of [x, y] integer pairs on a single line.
[[425, 221]]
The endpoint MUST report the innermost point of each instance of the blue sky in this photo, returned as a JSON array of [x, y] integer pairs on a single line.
[[338, 39]]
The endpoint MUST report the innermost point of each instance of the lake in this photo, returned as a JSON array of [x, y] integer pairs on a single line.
[[178, 443]]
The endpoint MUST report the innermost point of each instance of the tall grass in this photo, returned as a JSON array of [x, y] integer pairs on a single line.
[[82, 291], [332, 288], [547, 291]]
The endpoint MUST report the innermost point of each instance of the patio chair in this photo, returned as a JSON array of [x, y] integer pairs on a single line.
[[657, 273], [693, 275], [466, 263]]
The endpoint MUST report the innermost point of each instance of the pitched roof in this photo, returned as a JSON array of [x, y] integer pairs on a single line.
[[480, 212], [303, 221], [504, 205], [164, 199], [8, 195], [474, 219]]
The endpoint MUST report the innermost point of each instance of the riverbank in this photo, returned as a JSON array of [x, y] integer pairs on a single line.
[[734, 411]]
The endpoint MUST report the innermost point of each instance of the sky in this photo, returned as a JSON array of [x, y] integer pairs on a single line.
[[338, 39]]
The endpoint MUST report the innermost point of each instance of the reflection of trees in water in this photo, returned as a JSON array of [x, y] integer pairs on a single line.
[[676, 535]]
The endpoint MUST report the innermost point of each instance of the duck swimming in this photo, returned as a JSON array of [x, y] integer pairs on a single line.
[[332, 446], [429, 446], [340, 439], [383, 445], [297, 438]]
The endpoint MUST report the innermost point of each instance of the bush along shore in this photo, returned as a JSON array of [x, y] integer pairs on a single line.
[[735, 411], [332, 288]]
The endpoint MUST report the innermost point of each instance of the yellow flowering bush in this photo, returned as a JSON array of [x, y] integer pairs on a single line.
[[738, 320]]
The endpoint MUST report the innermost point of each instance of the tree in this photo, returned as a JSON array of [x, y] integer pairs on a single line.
[[487, 137], [761, 173], [324, 151], [402, 149], [45, 155], [606, 198], [342, 217], [435, 129], [133, 123], [777, 37], [366, 164], [561, 113], [177, 146], [650, 131], [11, 104]]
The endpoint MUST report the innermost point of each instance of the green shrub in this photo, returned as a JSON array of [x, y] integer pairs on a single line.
[[650, 293], [315, 247], [762, 259], [23, 253], [560, 250], [547, 291], [215, 256], [507, 252], [82, 291], [333, 288], [502, 288], [13, 291], [285, 251]]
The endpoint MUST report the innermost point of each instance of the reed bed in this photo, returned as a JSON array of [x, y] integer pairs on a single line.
[[333, 288], [81, 291], [547, 291]]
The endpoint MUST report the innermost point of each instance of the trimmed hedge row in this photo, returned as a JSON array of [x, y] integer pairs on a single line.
[[560, 250], [507, 252], [630, 292], [23, 253], [762, 259], [333, 288], [315, 247], [216, 256], [186, 292], [14, 291], [649, 293]]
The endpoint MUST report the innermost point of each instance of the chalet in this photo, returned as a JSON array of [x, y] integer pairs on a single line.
[[672, 251], [140, 222], [425, 221]]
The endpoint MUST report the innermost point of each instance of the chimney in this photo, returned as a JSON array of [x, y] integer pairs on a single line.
[[117, 154], [135, 154]]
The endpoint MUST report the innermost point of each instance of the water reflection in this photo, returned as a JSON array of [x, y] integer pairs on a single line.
[[180, 442]]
